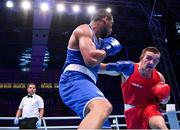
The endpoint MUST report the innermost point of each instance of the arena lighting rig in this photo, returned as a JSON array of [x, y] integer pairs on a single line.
[[46, 6]]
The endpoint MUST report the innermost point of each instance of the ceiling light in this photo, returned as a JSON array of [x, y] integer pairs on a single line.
[[44, 7], [9, 4], [76, 8], [60, 7], [25, 5], [108, 10], [91, 9]]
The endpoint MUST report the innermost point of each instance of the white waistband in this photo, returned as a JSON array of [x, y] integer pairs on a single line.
[[128, 106], [82, 69]]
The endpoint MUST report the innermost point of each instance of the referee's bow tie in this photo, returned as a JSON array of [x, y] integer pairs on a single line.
[[29, 96]]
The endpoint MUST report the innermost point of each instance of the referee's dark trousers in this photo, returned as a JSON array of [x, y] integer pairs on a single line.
[[28, 123]]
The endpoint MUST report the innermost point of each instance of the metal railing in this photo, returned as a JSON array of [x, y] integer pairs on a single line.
[[116, 120], [113, 118]]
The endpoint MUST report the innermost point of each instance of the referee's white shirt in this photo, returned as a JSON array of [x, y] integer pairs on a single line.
[[30, 106]]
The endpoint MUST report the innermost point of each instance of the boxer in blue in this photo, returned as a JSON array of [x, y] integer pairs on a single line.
[[77, 86]]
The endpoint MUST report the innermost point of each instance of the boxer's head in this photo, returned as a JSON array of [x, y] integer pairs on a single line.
[[149, 58], [105, 20]]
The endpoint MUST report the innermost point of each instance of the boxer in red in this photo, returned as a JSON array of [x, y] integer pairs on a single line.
[[141, 86]]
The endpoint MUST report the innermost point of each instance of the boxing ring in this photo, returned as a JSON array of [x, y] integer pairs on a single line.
[[172, 118]]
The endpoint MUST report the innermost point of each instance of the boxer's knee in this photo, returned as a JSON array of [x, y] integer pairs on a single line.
[[157, 122], [101, 108]]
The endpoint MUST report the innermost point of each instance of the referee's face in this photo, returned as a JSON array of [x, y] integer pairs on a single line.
[[31, 89]]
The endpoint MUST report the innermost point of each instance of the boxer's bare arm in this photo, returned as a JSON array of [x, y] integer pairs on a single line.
[[90, 54]]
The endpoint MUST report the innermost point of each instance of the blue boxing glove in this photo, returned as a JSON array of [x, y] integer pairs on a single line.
[[38, 123], [111, 46], [125, 67]]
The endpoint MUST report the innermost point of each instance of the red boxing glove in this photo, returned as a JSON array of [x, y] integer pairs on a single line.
[[161, 90]]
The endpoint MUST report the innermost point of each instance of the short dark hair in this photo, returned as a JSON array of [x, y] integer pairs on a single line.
[[101, 13], [31, 84], [150, 49]]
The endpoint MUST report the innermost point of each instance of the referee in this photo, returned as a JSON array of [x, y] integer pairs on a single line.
[[31, 109]]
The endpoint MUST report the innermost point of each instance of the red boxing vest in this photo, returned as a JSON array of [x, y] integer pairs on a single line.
[[137, 89]]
